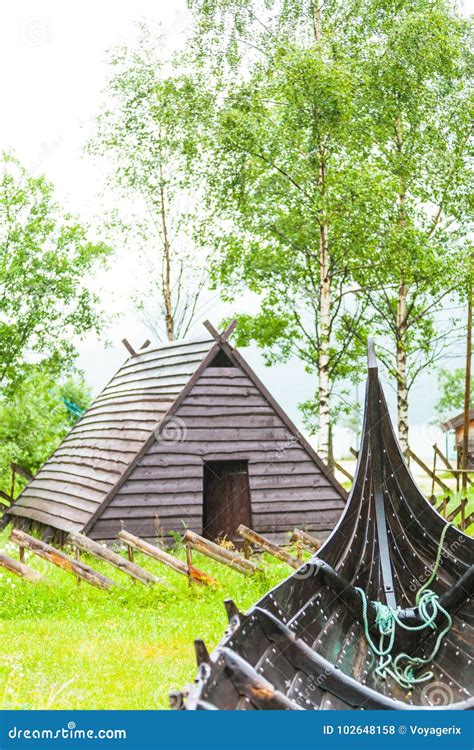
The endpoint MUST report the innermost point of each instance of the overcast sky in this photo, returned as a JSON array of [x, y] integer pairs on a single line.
[[53, 59]]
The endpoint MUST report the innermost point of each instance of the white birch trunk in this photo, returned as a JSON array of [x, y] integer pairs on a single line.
[[169, 320], [401, 364], [401, 321], [323, 362]]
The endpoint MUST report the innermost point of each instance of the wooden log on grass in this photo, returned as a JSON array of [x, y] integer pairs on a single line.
[[220, 554], [273, 549], [305, 540], [170, 561], [19, 568], [56, 557], [85, 544]]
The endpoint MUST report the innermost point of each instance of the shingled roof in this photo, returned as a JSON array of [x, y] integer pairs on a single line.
[[458, 421], [79, 475], [101, 457]]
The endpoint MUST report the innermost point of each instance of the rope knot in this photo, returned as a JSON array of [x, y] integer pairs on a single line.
[[386, 621]]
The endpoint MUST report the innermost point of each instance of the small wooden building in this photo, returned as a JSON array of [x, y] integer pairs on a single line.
[[184, 436], [456, 424]]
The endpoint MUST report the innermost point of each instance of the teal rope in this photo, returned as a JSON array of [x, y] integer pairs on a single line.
[[437, 562], [386, 621]]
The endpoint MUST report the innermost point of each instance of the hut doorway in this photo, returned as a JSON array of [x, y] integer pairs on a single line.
[[226, 499]]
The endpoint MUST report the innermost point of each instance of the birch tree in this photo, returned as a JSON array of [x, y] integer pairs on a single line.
[[417, 105], [149, 133], [343, 142], [290, 186]]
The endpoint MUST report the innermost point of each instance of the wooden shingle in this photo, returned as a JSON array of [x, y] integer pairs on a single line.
[[138, 457]]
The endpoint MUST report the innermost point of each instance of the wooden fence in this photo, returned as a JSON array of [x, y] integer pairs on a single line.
[[80, 544]]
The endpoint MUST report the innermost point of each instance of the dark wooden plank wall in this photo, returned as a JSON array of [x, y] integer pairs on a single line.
[[225, 417]]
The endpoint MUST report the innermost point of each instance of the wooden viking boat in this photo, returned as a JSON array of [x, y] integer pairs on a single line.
[[380, 618]]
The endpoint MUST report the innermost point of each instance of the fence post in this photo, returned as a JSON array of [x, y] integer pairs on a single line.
[[189, 562], [463, 513], [445, 506], [12, 486], [434, 470], [428, 471], [131, 556], [78, 558]]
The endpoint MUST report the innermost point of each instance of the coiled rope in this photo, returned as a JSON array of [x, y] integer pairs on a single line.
[[402, 667]]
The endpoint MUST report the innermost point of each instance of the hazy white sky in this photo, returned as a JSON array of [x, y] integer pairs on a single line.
[[53, 55], [53, 58]]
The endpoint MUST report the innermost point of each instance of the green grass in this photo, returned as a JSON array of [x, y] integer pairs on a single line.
[[65, 646], [453, 504]]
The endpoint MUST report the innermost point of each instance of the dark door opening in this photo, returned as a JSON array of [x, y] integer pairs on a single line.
[[226, 499]]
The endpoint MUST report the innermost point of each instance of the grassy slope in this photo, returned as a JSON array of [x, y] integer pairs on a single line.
[[453, 504], [65, 646]]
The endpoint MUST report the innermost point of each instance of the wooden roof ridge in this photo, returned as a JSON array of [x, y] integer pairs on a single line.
[[221, 343], [176, 344], [234, 354], [151, 438], [456, 421], [132, 359], [199, 361]]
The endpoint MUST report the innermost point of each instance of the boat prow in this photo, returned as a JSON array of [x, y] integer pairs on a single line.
[[380, 618]]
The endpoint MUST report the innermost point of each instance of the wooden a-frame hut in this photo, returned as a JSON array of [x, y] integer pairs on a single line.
[[183, 436]]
